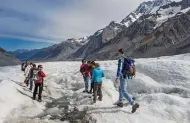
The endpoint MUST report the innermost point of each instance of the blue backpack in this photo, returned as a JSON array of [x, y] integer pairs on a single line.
[[128, 69]]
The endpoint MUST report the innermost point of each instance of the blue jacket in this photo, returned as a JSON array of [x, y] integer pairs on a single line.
[[97, 75], [120, 65]]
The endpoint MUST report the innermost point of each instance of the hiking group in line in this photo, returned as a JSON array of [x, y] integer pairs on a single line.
[[34, 75], [92, 75]]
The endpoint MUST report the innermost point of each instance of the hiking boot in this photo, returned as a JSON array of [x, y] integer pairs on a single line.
[[84, 91], [120, 104], [135, 107], [134, 98], [100, 99], [90, 92], [39, 100]]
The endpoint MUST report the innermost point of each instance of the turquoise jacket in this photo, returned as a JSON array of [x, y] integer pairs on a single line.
[[97, 75]]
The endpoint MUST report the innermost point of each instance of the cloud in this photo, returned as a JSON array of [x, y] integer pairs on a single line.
[[57, 20]]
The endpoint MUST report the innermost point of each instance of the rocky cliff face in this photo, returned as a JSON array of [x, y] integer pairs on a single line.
[[111, 31], [185, 3]]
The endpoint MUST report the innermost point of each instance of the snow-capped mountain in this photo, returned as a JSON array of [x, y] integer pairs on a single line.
[[145, 8], [58, 51], [24, 54], [152, 21], [165, 33], [6, 59], [154, 12]]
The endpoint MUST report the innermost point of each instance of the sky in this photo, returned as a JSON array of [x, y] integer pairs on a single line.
[[54, 21], [12, 44]]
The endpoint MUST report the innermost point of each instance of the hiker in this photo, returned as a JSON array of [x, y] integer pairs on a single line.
[[124, 72], [38, 83], [27, 72], [91, 70], [24, 65], [33, 74], [97, 76], [84, 69]]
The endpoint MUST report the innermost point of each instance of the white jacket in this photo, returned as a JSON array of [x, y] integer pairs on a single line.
[[27, 70]]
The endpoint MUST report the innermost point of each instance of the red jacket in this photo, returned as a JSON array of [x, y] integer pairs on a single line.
[[41, 75], [85, 70]]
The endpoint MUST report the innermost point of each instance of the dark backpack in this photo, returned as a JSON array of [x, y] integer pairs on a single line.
[[128, 69]]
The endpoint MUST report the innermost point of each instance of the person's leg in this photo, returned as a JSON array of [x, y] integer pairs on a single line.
[[31, 83], [88, 83], [124, 92], [95, 92], [120, 93], [40, 92], [100, 91], [91, 87], [35, 91]]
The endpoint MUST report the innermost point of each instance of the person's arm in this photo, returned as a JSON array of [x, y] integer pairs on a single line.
[[42, 74], [30, 72], [26, 70], [102, 73], [93, 75], [81, 68], [119, 68]]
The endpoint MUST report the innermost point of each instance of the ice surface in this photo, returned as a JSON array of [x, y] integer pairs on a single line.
[[161, 86]]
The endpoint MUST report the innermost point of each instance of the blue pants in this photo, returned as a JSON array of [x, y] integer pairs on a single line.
[[123, 91], [31, 83], [87, 83]]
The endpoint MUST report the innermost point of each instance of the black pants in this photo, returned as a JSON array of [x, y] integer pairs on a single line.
[[92, 87], [97, 91], [40, 86]]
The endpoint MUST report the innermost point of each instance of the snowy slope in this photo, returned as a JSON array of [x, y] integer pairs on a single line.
[[162, 88]]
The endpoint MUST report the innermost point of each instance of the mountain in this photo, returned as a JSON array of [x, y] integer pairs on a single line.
[[163, 33], [53, 53], [24, 54], [185, 3], [104, 44], [145, 8], [155, 28], [59, 51], [6, 59]]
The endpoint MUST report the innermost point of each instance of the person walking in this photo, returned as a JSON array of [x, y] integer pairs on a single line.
[[123, 73], [85, 71], [33, 74], [38, 83], [97, 76], [92, 83], [27, 73]]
